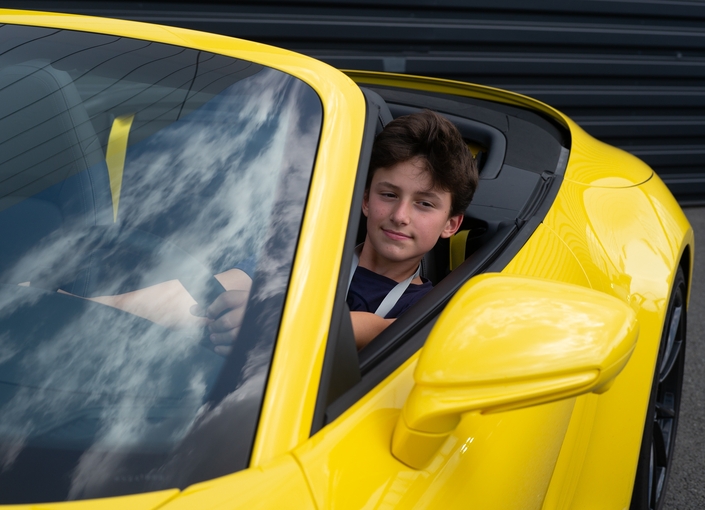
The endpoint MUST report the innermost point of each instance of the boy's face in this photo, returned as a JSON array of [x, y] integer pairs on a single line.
[[405, 214]]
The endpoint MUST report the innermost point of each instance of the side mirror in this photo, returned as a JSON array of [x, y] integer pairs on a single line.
[[505, 342]]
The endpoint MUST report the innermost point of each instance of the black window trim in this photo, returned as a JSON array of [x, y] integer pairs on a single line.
[[340, 355]]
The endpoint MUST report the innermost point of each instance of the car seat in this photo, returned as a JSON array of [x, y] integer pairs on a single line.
[[52, 168]]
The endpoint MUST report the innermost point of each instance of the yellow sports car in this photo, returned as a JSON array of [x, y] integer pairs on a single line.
[[148, 171]]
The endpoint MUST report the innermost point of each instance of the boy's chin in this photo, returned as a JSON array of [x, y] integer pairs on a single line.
[[399, 255]]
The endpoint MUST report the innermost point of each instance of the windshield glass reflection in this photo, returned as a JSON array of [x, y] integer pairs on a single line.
[[150, 202]]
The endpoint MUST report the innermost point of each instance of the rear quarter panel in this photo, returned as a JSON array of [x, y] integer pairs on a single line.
[[629, 239]]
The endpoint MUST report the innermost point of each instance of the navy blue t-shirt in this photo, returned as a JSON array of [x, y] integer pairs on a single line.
[[368, 289]]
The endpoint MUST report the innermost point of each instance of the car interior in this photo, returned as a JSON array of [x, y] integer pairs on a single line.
[[76, 153], [521, 156]]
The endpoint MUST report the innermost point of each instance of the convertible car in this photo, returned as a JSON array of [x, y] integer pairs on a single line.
[[146, 170]]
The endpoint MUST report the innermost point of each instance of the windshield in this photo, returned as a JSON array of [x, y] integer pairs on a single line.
[[150, 203]]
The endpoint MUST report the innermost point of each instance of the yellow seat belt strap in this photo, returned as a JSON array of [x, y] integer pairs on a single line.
[[115, 157], [457, 248]]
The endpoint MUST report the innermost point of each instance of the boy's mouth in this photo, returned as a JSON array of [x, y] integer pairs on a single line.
[[397, 236]]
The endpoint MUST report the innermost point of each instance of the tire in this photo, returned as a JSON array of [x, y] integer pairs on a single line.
[[659, 439]]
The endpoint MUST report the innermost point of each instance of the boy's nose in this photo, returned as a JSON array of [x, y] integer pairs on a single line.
[[401, 213]]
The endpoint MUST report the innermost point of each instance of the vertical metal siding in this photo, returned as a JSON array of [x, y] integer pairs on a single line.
[[631, 72]]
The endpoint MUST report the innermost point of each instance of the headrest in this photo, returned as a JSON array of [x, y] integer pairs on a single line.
[[384, 115]]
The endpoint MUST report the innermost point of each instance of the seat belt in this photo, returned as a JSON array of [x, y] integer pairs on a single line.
[[115, 157], [393, 296]]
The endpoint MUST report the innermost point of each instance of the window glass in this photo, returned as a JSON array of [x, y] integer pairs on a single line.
[[140, 184]]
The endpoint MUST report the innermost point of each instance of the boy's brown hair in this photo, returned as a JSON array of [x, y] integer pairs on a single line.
[[439, 143]]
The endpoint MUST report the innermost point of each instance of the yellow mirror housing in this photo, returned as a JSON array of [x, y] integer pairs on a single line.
[[506, 342]]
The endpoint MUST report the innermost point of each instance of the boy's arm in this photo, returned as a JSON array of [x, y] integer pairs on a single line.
[[366, 326], [170, 305]]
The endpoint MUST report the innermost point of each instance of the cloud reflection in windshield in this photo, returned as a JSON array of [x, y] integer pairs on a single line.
[[209, 186]]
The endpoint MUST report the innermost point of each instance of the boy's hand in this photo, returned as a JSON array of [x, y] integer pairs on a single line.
[[225, 313], [225, 318]]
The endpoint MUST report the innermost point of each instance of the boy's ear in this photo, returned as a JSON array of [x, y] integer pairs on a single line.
[[452, 226], [366, 203]]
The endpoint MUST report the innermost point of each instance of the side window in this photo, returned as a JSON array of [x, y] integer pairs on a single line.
[[520, 156]]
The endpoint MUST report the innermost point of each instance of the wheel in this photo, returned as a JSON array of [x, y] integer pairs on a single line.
[[659, 439]]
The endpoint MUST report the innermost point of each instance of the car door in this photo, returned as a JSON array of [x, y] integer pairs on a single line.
[[490, 460]]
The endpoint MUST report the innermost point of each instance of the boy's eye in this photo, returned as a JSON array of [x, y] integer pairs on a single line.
[[387, 194], [426, 204]]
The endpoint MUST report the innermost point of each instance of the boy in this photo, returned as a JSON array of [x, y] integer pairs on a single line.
[[422, 178]]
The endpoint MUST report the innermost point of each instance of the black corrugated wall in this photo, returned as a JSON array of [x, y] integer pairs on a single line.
[[631, 72]]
